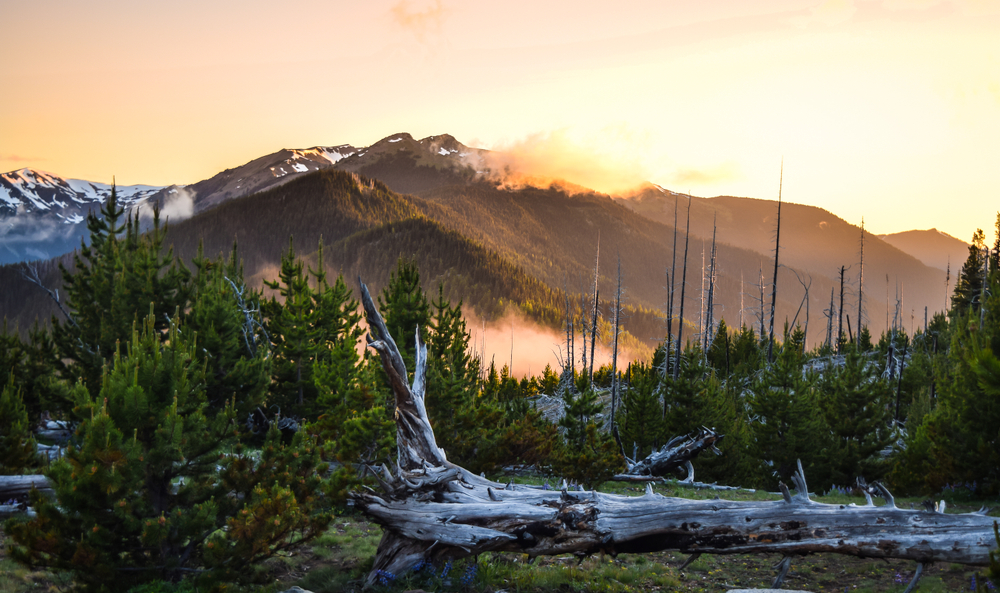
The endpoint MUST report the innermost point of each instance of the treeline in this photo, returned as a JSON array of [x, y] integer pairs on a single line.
[[919, 412]]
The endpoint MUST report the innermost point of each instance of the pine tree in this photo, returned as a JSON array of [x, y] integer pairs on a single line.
[[865, 340], [337, 314], [719, 350], [857, 405], [462, 420], [587, 455], [641, 424], [356, 418], [291, 325], [405, 309], [18, 451], [141, 494], [747, 356], [549, 381], [685, 404], [788, 429], [117, 278], [964, 429], [223, 313], [970, 280], [726, 412]]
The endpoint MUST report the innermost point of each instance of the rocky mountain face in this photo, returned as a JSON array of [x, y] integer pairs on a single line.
[[42, 215]]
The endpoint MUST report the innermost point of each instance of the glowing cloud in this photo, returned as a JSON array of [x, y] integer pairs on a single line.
[[527, 345], [16, 158], [420, 22], [828, 12], [609, 164], [724, 172]]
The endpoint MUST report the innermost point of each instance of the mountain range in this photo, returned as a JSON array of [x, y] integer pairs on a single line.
[[495, 246]]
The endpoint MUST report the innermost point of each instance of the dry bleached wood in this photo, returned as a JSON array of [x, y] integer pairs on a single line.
[[431, 509], [20, 486], [678, 452]]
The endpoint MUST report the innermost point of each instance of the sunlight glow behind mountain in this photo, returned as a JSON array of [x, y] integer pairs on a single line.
[[887, 109]]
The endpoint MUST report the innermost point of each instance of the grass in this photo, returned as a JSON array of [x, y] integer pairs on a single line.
[[15, 578]]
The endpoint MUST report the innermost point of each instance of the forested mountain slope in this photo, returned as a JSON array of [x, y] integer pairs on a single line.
[[366, 229]]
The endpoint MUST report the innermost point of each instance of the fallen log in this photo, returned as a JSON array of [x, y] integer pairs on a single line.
[[20, 486], [433, 510], [677, 453]]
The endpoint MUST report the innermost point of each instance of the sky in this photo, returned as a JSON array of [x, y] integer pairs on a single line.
[[882, 109]]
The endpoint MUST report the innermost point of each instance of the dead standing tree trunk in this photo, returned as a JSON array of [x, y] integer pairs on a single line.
[[431, 509], [774, 283]]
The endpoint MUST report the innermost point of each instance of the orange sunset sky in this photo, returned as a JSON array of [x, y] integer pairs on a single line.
[[887, 109]]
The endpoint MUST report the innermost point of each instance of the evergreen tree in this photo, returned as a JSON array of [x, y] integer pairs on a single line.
[[140, 496], [356, 417], [686, 407], [549, 381], [405, 309], [337, 314], [784, 402], [292, 326], [726, 412], [865, 340], [117, 279], [719, 354], [857, 404], [963, 433], [12, 351], [587, 455], [969, 283], [463, 422], [223, 313], [641, 424], [18, 451], [747, 356], [525, 438]]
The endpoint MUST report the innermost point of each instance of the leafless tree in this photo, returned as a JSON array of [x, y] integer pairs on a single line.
[[861, 281], [709, 318], [680, 326], [251, 325], [774, 283], [614, 352]]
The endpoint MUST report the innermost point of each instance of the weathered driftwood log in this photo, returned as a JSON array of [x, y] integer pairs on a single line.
[[431, 509], [58, 431], [19, 486], [677, 453]]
